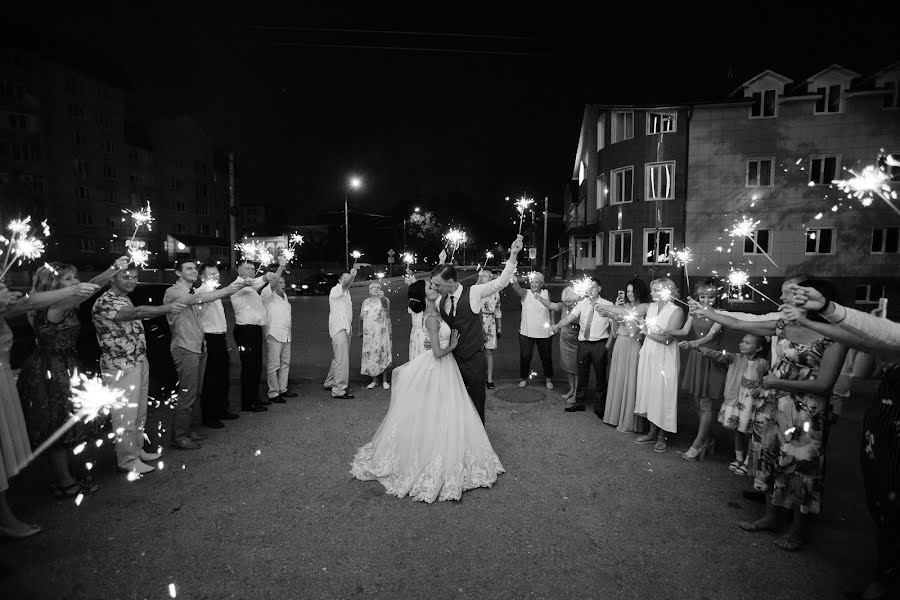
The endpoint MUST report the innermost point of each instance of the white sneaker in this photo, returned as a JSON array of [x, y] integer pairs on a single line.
[[136, 466], [149, 456], [386, 385], [371, 386], [549, 385], [523, 383]]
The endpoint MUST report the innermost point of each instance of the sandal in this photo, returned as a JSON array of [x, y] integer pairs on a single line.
[[645, 439], [734, 465], [85, 487], [659, 446], [740, 470], [788, 543], [752, 527]]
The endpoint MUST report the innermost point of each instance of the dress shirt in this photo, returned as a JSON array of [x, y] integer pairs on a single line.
[[248, 306], [278, 315], [600, 328], [341, 314], [480, 291], [186, 330], [212, 318]]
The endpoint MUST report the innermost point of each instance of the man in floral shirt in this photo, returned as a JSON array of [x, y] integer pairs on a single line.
[[123, 360]]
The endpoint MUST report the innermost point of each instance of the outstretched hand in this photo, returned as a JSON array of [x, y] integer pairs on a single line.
[[808, 298], [793, 314], [516, 246]]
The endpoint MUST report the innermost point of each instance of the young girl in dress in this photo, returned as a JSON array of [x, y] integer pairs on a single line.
[[416, 310], [491, 323], [656, 397], [743, 391], [703, 379]]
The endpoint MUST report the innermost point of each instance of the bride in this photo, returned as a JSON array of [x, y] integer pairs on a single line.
[[431, 445]]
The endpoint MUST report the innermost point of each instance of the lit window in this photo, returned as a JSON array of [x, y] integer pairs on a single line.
[[661, 122], [657, 246], [659, 181]]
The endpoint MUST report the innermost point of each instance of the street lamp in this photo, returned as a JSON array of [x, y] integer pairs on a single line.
[[354, 183]]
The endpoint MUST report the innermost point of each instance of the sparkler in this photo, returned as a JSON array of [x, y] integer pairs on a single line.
[[683, 258], [871, 181], [746, 228], [141, 218], [522, 204], [487, 256], [255, 252], [21, 245], [455, 238], [738, 279], [90, 398], [666, 295], [582, 287]]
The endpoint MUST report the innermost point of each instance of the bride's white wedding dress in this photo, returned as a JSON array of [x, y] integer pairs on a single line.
[[431, 445]]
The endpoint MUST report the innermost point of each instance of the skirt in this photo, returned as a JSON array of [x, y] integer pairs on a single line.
[[622, 387], [14, 446], [703, 378]]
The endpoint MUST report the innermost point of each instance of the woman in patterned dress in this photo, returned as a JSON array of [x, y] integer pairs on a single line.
[[568, 339], [492, 323], [375, 330], [43, 384], [791, 464]]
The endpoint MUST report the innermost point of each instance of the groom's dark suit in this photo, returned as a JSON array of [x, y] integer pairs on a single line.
[[469, 350]]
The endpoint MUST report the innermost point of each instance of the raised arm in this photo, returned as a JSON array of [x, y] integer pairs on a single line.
[[754, 327], [484, 290], [346, 284], [104, 277], [37, 300]]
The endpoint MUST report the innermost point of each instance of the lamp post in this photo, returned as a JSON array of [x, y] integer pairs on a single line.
[[353, 184]]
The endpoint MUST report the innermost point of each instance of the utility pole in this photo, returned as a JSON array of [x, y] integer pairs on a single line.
[[546, 214], [232, 212], [346, 234]]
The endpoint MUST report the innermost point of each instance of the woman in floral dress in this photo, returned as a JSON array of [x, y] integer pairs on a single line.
[[375, 330], [492, 323], [791, 463]]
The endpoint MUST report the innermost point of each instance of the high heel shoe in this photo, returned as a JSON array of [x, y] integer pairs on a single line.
[[708, 448], [692, 454]]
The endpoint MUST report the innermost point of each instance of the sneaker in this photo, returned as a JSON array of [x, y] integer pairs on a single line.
[[138, 467], [523, 383], [149, 456], [386, 385]]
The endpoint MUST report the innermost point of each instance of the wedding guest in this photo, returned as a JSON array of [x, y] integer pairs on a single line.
[[44, 382], [123, 362], [595, 338], [416, 310], [877, 342], [375, 331], [340, 327], [656, 397], [791, 468], [492, 323], [278, 340], [15, 448], [249, 320], [215, 368], [743, 392], [623, 368], [568, 340], [187, 346], [703, 379], [534, 328]]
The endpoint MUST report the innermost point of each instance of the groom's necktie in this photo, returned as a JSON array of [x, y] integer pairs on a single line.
[[587, 332], [452, 305]]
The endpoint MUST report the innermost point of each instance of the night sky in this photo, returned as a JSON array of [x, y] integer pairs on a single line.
[[452, 123]]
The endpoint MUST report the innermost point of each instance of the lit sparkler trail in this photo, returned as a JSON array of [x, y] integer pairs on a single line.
[[522, 205], [141, 218], [871, 181], [139, 256], [287, 254], [746, 228], [683, 258], [582, 287], [666, 295], [21, 245], [739, 279], [90, 399], [455, 238]]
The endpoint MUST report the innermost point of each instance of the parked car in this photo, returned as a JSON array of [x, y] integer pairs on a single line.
[[316, 284], [163, 376]]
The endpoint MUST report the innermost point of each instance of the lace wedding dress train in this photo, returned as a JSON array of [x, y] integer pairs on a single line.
[[431, 445]]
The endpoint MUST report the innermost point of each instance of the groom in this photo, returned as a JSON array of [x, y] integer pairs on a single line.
[[460, 307]]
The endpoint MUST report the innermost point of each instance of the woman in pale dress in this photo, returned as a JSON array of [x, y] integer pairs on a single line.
[[416, 310], [431, 444], [568, 339], [375, 330], [623, 368], [492, 324], [656, 395]]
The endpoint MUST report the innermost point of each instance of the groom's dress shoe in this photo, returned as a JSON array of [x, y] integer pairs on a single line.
[[575, 408]]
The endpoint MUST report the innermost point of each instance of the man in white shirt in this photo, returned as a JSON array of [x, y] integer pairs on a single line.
[[278, 340], [340, 326], [594, 342], [249, 319], [214, 392], [460, 307]]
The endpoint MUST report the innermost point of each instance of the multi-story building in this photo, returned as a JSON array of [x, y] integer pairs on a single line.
[[683, 175], [628, 213], [68, 154]]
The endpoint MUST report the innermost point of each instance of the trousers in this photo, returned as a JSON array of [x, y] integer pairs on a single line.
[[249, 339], [128, 420]]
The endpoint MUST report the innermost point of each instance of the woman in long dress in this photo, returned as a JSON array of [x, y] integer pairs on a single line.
[[431, 444], [568, 339], [375, 330], [416, 310], [491, 323], [623, 368], [656, 395]]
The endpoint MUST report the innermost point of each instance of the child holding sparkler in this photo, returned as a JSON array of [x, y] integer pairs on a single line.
[[743, 392], [703, 379], [44, 383], [656, 397]]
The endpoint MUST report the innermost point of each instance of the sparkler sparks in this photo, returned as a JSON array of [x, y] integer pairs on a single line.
[[22, 245], [683, 258], [746, 228], [582, 287], [455, 238], [871, 181], [739, 279], [522, 205]]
